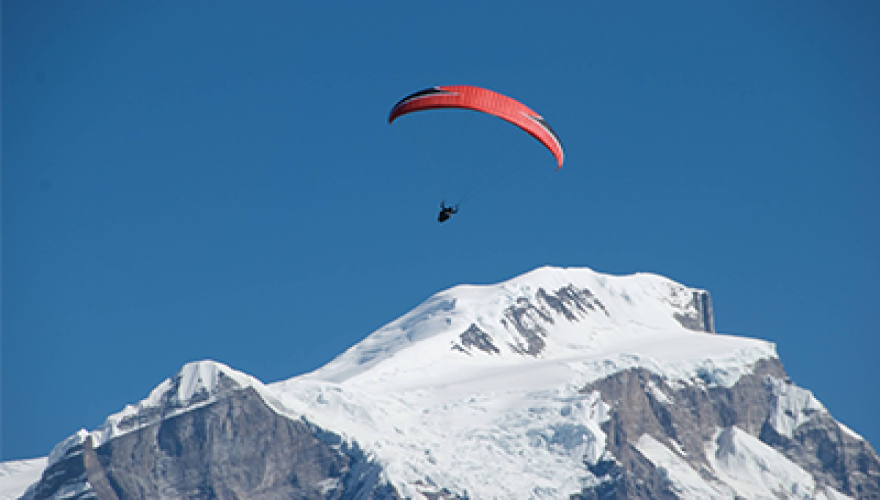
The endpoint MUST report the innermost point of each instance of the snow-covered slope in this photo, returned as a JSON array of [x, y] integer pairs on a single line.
[[479, 388], [587, 312], [18, 475], [743, 467], [558, 383]]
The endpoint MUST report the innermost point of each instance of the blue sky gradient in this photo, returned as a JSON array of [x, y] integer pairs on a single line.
[[217, 180]]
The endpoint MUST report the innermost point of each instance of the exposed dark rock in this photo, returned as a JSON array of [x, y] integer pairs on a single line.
[[643, 403], [699, 316], [572, 302], [96, 474], [630, 476], [830, 454], [527, 319], [476, 338], [236, 447], [62, 473]]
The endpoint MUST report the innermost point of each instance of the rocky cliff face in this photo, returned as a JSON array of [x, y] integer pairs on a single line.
[[557, 384], [700, 425], [235, 447]]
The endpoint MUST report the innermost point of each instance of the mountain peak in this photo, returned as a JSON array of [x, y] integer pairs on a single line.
[[198, 383], [550, 312]]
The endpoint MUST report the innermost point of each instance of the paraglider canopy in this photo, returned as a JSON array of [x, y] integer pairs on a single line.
[[486, 101]]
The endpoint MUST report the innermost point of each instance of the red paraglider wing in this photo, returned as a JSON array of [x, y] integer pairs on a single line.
[[487, 101]]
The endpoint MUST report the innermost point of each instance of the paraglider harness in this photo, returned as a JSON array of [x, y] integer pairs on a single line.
[[446, 212]]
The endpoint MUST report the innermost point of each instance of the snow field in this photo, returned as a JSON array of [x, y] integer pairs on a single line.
[[17, 476]]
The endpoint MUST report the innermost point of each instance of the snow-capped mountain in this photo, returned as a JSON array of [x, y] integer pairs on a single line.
[[561, 383]]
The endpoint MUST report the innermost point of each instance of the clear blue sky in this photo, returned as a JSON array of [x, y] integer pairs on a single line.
[[217, 180]]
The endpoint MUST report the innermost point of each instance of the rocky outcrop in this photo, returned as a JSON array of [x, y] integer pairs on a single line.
[[236, 447], [530, 319], [698, 314], [831, 454], [687, 419], [475, 338]]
